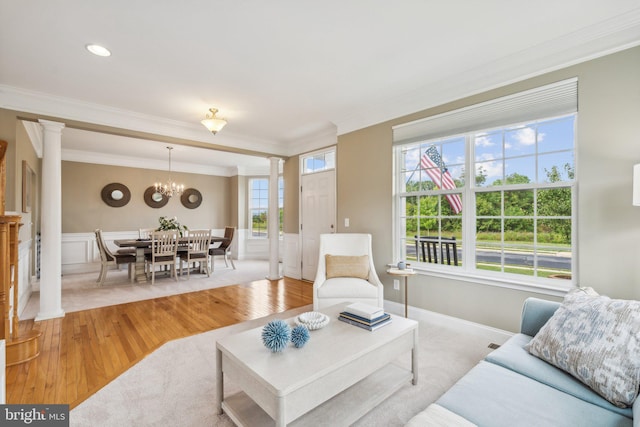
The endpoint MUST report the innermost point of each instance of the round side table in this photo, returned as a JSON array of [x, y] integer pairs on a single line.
[[405, 273]]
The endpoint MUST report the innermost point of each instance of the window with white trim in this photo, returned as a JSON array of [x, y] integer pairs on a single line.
[[319, 161], [511, 216], [259, 206]]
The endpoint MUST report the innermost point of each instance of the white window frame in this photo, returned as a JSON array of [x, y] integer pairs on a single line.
[[468, 271], [324, 153], [250, 207]]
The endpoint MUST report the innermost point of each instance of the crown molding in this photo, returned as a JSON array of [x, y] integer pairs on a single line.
[[28, 101], [601, 39], [323, 137]]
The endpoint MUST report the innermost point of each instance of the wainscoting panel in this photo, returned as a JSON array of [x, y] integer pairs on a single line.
[[255, 248], [80, 252], [291, 256], [77, 252]]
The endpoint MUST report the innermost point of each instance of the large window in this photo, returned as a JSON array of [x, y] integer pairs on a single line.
[[431, 198], [495, 202], [259, 206]]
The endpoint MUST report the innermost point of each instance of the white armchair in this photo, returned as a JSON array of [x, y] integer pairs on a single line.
[[351, 279]]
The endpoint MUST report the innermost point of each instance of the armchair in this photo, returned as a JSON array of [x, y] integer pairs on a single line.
[[350, 275]]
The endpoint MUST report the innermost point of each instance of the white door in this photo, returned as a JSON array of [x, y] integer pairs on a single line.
[[318, 215]]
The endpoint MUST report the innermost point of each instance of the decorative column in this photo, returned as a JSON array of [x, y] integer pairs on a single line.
[[273, 220], [51, 223]]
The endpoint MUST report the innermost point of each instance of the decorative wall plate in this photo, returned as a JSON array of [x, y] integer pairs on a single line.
[[154, 199], [115, 194], [191, 198]]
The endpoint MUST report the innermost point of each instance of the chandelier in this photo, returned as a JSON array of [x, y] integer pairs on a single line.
[[170, 188], [213, 123]]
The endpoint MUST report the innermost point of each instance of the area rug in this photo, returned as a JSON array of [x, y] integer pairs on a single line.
[[174, 386], [81, 292]]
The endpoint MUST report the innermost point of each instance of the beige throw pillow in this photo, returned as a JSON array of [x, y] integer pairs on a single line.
[[597, 340], [347, 266]]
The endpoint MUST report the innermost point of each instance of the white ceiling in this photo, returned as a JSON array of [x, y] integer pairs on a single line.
[[288, 75]]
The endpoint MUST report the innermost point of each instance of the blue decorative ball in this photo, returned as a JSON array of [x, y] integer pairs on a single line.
[[276, 335], [300, 336]]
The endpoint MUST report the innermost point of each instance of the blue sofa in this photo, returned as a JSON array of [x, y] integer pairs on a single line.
[[513, 388]]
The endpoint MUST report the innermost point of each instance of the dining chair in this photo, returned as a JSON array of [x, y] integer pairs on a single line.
[[164, 250], [108, 258], [224, 248], [196, 251], [145, 233]]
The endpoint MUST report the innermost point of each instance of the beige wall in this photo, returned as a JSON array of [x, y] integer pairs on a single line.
[[234, 215], [8, 128], [20, 148], [608, 132], [290, 174], [241, 189], [83, 209]]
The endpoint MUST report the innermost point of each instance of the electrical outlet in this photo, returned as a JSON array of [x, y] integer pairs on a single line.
[[396, 284]]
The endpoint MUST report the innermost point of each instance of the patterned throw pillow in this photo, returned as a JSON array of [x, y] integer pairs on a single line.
[[597, 340]]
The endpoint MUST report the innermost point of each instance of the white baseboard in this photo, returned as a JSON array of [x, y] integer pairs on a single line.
[[494, 335]]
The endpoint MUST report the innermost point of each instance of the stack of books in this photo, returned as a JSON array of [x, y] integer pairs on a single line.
[[365, 316]]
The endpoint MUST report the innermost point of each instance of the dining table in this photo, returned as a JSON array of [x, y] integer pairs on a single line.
[[143, 246]]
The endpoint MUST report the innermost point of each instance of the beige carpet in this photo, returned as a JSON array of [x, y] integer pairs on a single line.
[[81, 292], [174, 386]]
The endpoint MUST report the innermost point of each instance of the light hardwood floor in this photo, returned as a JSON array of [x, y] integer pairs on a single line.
[[85, 350]]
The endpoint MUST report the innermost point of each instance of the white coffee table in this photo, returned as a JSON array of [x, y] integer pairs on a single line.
[[337, 377]]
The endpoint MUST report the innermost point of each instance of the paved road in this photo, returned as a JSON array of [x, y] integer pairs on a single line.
[[513, 258]]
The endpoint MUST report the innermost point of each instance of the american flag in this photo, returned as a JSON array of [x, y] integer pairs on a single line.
[[433, 165]]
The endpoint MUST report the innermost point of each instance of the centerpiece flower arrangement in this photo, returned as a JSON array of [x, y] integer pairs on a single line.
[[171, 224]]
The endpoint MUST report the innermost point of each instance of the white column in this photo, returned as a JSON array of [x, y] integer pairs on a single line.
[[273, 218], [51, 223]]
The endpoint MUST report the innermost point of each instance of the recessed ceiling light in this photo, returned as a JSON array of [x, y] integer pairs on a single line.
[[96, 49]]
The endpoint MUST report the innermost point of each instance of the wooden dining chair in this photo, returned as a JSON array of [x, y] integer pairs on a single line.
[[145, 233], [224, 248], [164, 250], [108, 258], [197, 251]]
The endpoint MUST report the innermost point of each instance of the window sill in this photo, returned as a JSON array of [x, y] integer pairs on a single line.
[[545, 288]]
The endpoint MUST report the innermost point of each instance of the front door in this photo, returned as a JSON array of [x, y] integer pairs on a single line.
[[318, 215]]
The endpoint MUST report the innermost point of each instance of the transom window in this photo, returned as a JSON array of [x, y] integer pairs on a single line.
[[496, 202], [318, 162]]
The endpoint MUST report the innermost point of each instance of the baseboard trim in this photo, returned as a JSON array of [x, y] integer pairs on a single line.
[[495, 335]]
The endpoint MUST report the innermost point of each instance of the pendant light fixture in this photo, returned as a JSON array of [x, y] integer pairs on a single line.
[[213, 123], [170, 188]]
